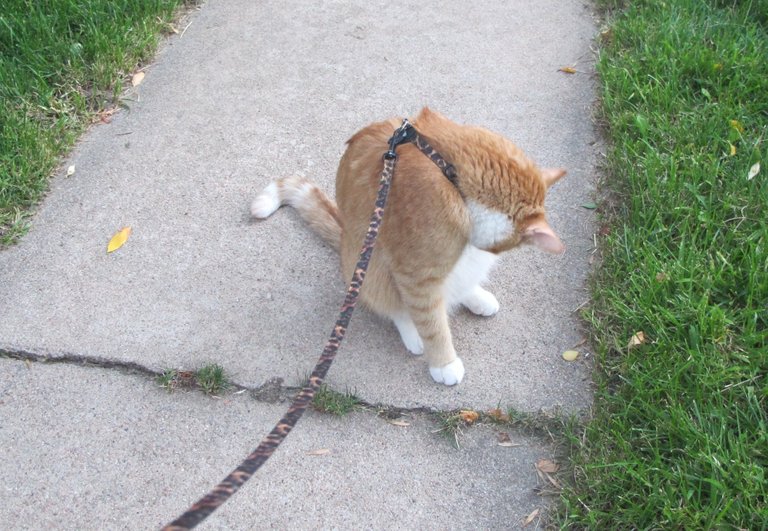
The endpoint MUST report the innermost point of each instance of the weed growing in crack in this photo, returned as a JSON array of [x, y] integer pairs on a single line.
[[329, 401], [172, 380], [167, 379], [211, 379], [451, 422]]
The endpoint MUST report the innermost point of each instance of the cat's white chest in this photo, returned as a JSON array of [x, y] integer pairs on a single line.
[[488, 226]]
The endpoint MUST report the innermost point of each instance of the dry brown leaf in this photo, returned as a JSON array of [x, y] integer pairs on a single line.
[[137, 78], [498, 415], [105, 116], [504, 440], [547, 466], [399, 423], [637, 339], [469, 416], [320, 451], [118, 239], [567, 70], [531, 517]]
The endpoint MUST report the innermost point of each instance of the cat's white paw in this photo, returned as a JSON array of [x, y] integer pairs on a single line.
[[266, 202], [409, 335], [450, 374], [481, 302]]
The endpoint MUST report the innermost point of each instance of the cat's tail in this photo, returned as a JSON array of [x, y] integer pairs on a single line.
[[314, 206]]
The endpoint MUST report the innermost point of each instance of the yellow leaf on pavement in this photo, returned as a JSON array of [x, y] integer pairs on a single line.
[[570, 355], [567, 70], [118, 239]]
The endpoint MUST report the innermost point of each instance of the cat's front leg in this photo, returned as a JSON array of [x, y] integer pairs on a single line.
[[430, 318], [450, 374]]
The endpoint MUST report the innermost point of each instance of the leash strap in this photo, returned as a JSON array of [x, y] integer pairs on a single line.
[[229, 485]]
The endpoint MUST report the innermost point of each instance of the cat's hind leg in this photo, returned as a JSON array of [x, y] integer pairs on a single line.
[[463, 284], [408, 333], [481, 302]]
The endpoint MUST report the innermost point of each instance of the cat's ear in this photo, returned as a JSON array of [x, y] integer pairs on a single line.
[[551, 175], [540, 234]]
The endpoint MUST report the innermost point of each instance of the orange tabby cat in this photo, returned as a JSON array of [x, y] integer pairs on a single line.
[[438, 241]]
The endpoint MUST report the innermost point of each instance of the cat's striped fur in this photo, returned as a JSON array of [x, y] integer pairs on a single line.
[[438, 241]]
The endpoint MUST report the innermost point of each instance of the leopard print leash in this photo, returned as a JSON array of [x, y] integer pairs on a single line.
[[229, 485]]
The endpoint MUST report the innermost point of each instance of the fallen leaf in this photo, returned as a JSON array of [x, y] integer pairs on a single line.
[[661, 276], [733, 149], [737, 125], [469, 416], [567, 70], [570, 355], [105, 116], [531, 517], [504, 440], [118, 239], [137, 78], [589, 206], [498, 415], [547, 466], [399, 423], [638, 338], [320, 451], [754, 170], [71, 170]]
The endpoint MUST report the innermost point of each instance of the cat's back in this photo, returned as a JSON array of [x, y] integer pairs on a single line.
[[423, 210]]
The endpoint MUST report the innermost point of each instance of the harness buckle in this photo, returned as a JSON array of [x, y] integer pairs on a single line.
[[404, 133]]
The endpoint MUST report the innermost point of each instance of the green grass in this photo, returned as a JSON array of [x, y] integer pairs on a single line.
[[62, 61], [168, 380], [210, 379], [334, 402], [679, 436]]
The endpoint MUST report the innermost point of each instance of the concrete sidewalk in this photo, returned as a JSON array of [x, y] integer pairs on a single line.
[[250, 92]]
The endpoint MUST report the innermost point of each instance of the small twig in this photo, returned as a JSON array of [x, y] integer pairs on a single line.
[[185, 29]]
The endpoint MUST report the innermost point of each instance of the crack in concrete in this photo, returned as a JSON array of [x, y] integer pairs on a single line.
[[272, 391]]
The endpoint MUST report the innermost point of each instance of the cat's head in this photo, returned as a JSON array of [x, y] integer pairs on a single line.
[[526, 216], [502, 187], [534, 229]]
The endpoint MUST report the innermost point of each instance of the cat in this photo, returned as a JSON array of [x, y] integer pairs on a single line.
[[438, 241]]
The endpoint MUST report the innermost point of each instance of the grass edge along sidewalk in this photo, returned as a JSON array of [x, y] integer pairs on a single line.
[[678, 439], [63, 65]]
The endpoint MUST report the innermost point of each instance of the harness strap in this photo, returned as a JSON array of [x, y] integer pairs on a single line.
[[229, 485]]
